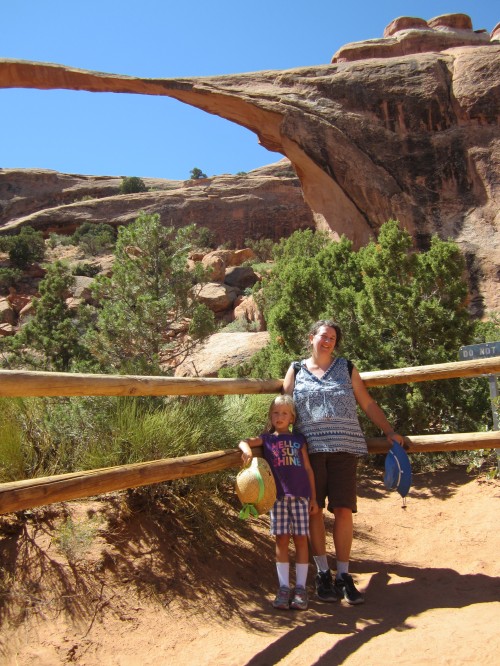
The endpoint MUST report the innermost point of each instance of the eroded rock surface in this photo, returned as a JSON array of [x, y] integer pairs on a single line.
[[406, 35], [222, 350], [266, 202]]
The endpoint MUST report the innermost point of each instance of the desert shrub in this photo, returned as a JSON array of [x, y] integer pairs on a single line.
[[25, 247], [148, 294], [9, 277], [44, 436], [203, 237], [14, 456], [248, 413], [196, 174], [86, 269], [240, 325], [74, 538], [95, 239], [59, 239], [188, 426], [132, 184], [263, 248], [262, 268], [483, 460]]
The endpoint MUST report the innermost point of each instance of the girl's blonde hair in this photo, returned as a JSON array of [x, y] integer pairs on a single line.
[[281, 400]]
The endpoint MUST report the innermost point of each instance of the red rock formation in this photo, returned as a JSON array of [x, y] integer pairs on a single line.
[[247, 309], [222, 350], [266, 202], [413, 137], [406, 35]]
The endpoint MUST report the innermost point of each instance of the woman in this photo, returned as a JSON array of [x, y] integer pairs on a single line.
[[326, 389]]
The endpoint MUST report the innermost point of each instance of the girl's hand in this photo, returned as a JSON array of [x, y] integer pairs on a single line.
[[313, 507], [245, 446], [246, 455]]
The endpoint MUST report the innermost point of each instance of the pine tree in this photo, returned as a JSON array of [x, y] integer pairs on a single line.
[[53, 331], [397, 308], [146, 300]]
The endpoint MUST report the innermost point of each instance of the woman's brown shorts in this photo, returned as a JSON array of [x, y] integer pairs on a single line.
[[335, 478]]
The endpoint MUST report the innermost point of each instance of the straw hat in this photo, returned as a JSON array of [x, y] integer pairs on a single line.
[[256, 488]]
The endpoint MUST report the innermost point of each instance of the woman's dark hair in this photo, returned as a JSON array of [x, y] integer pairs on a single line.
[[331, 324]]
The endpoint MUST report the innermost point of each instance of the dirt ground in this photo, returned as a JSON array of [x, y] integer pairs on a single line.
[[134, 586]]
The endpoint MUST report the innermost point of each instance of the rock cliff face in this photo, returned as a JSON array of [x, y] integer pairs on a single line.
[[406, 128], [266, 202]]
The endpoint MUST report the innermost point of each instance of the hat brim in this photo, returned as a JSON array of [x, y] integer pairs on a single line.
[[255, 485], [397, 474]]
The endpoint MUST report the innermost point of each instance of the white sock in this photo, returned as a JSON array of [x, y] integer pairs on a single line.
[[342, 568], [283, 569], [321, 562], [301, 574]]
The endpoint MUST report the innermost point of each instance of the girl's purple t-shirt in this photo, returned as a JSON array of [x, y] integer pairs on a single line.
[[285, 457]]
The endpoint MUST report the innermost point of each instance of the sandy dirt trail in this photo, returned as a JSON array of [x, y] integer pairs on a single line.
[[144, 597]]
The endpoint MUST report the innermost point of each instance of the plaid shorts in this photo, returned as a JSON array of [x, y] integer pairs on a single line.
[[290, 515]]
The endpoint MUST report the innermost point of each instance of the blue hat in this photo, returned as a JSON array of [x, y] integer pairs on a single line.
[[397, 470]]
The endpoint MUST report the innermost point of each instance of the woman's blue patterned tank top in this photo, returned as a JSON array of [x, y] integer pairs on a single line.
[[326, 410]]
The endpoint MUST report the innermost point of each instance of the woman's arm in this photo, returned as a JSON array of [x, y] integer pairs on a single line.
[[246, 446], [371, 408], [313, 505], [289, 381]]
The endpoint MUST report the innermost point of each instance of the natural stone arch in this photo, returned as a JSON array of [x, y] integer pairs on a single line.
[[413, 137]]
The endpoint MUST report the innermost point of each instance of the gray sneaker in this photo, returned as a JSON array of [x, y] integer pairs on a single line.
[[282, 600], [299, 600], [346, 589]]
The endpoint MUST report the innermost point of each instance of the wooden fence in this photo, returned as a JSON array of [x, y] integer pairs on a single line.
[[30, 493]]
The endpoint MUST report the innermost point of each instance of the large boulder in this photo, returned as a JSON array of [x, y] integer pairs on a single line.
[[81, 288], [222, 350], [26, 314], [7, 314], [406, 35], [215, 266], [247, 310], [18, 301], [7, 329], [216, 296], [241, 277]]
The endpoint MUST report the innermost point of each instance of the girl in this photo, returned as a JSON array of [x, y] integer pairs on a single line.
[[287, 456]]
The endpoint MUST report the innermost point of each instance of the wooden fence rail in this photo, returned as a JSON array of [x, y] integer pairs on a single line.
[[19, 495], [19, 383], [27, 494]]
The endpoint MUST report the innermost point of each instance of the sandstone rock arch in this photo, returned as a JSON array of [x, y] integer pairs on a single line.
[[412, 135]]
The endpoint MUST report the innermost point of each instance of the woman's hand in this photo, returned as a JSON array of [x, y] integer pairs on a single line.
[[313, 507], [395, 436]]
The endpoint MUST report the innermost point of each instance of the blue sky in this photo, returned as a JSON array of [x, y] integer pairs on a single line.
[[138, 135]]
